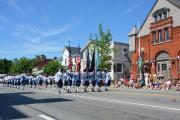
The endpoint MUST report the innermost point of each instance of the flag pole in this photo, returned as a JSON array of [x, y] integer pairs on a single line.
[[69, 64], [80, 62], [139, 47], [95, 68]]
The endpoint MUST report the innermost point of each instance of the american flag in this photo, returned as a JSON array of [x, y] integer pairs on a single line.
[[78, 61], [70, 59]]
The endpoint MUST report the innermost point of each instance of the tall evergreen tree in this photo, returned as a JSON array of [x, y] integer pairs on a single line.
[[92, 68], [87, 60]]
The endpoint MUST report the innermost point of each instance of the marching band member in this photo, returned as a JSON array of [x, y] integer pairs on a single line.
[[85, 78], [78, 81], [93, 81], [40, 79], [69, 80], [59, 80], [99, 81], [65, 80]]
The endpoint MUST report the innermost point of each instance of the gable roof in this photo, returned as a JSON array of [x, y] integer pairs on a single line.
[[148, 15], [120, 43], [74, 50], [92, 41], [134, 31], [87, 45], [174, 2]]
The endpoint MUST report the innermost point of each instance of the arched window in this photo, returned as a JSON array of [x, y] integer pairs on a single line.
[[164, 14], [155, 18], [160, 14]]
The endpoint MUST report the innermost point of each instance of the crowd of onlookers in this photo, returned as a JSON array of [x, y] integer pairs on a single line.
[[148, 81]]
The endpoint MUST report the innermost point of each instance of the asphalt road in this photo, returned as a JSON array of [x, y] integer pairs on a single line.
[[124, 104]]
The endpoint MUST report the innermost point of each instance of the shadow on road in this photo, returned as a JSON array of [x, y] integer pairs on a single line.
[[8, 100]]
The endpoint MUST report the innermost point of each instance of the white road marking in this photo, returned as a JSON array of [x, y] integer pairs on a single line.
[[46, 117], [126, 102]]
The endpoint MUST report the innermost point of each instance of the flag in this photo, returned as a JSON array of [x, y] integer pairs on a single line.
[[97, 60], [70, 59], [78, 61], [93, 62], [87, 60], [140, 62]]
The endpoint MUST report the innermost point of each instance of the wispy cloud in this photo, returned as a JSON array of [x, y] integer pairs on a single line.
[[34, 34], [39, 48], [33, 39], [56, 31], [32, 49], [13, 4], [129, 10]]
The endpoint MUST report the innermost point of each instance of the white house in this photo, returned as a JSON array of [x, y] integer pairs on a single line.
[[65, 55], [121, 59]]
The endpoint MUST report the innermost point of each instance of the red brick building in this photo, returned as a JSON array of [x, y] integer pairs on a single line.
[[159, 40]]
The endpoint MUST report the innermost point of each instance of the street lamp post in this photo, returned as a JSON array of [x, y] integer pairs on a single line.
[[142, 68]]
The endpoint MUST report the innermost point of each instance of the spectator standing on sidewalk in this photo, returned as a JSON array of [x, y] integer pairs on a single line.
[[107, 80], [146, 80], [178, 85]]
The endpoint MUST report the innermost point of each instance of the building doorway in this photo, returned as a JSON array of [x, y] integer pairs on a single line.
[[162, 65]]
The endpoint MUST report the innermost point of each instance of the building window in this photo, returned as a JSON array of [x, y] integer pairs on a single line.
[[165, 15], [125, 51], [166, 34], [155, 18], [158, 68], [164, 66], [160, 36], [118, 67], [154, 37], [160, 16]]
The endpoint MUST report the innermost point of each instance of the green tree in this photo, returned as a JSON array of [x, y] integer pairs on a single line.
[[53, 67], [22, 65], [103, 43], [5, 66]]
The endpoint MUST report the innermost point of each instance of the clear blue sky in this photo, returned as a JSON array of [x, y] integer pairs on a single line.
[[30, 27]]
